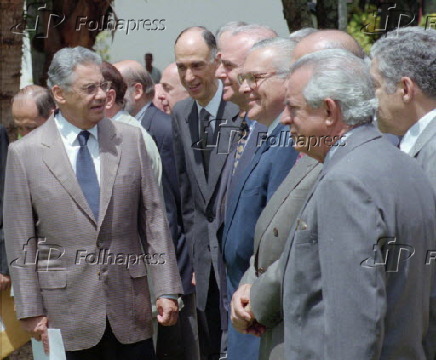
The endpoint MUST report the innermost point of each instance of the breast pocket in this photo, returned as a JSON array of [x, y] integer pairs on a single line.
[[307, 267]]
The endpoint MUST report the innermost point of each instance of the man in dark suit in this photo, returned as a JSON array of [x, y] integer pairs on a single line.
[[80, 196], [182, 339], [262, 80], [204, 127], [406, 93], [347, 270]]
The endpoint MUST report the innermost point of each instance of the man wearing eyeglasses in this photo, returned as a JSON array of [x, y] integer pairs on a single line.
[[262, 81], [83, 217]]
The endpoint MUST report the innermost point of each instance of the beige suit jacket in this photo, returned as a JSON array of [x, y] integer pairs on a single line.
[[72, 268]]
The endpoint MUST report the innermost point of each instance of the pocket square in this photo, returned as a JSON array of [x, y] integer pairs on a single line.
[[301, 225]]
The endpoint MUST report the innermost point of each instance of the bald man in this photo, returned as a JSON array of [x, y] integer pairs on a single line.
[[138, 99], [31, 107], [170, 90]]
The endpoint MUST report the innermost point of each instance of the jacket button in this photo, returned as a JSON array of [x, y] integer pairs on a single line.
[[210, 218], [261, 270], [276, 232]]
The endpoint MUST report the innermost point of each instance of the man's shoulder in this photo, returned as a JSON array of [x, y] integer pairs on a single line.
[[183, 107]]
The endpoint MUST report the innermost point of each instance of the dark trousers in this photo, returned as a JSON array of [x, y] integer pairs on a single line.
[[209, 323], [109, 348], [180, 342]]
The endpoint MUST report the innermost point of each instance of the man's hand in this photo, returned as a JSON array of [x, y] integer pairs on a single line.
[[5, 282], [167, 311], [193, 281], [241, 315], [37, 327]]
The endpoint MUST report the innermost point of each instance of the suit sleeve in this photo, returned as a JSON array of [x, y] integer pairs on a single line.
[[155, 233], [265, 294], [21, 244], [347, 232], [249, 275]]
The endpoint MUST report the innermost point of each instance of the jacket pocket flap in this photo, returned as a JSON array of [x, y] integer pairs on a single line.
[[52, 279], [137, 270]]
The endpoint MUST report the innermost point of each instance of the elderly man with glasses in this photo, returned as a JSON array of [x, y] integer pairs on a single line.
[[83, 218], [262, 81]]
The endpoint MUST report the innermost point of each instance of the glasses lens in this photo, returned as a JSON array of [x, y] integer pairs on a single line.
[[105, 86]]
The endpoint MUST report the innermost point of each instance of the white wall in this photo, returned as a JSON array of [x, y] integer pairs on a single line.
[[179, 14]]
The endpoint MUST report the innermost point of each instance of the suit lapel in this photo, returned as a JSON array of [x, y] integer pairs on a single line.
[[56, 159], [428, 134], [195, 154], [225, 136], [110, 154], [298, 172]]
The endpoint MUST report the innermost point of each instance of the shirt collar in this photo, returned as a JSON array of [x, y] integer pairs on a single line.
[[119, 114], [412, 135], [141, 112], [69, 132], [334, 148], [273, 125], [214, 104]]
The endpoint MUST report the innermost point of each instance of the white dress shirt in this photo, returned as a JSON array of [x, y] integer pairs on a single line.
[[410, 137], [69, 134]]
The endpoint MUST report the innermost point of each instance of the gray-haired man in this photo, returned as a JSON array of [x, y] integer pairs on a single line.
[[83, 214]]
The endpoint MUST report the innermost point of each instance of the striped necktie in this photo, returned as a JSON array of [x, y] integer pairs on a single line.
[[244, 132]]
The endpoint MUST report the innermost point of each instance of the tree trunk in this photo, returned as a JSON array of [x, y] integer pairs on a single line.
[[296, 14], [327, 14], [11, 14]]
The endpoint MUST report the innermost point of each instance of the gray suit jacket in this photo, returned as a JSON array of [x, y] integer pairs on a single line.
[[424, 152], [198, 194], [66, 265], [272, 230], [347, 269]]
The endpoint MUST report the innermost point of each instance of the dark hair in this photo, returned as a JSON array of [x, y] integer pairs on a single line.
[[111, 73], [208, 38]]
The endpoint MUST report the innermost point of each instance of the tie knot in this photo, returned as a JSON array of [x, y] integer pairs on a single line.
[[83, 137], [204, 115]]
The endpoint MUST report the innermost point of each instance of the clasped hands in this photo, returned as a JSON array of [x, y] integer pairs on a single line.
[[241, 316]]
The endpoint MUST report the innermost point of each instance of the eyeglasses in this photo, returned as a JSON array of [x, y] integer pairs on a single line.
[[91, 89], [252, 79]]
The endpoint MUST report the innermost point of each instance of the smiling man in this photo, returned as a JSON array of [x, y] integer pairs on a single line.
[[205, 127], [262, 81], [81, 182], [339, 276]]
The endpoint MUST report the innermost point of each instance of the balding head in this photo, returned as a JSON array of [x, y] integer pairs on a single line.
[[327, 39], [31, 107], [171, 90], [234, 44], [195, 51], [140, 87]]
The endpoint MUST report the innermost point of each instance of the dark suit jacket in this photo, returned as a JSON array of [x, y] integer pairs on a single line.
[[4, 142], [87, 270], [159, 126], [344, 273], [247, 198], [199, 194]]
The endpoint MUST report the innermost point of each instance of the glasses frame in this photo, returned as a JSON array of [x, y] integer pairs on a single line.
[[252, 78], [92, 88]]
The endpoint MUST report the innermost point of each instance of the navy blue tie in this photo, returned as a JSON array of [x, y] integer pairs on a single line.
[[86, 175]]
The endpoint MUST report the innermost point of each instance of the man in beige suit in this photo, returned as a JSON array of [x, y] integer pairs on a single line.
[[83, 216]]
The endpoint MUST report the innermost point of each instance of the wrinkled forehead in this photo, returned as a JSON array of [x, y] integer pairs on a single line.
[[86, 73]]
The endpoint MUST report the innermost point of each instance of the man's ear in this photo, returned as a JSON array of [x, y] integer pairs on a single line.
[[333, 112], [138, 91], [110, 98], [58, 94], [408, 88]]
